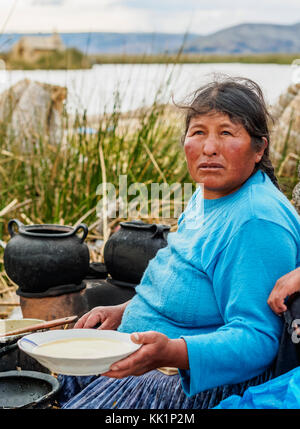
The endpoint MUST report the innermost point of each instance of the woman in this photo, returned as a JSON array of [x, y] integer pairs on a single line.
[[201, 305]]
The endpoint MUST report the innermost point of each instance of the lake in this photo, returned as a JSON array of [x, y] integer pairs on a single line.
[[137, 85]]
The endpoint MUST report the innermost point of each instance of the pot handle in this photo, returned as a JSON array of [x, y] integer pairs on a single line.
[[159, 232], [85, 231], [10, 226]]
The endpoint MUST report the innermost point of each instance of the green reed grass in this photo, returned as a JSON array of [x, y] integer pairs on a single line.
[[61, 180], [57, 184], [197, 58], [72, 59]]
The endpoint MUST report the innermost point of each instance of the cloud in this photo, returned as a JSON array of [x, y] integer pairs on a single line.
[[169, 16], [47, 2], [203, 17], [185, 5], [158, 5]]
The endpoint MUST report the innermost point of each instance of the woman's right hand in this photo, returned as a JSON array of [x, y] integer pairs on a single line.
[[109, 316]]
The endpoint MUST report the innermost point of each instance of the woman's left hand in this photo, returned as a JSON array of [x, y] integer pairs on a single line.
[[157, 350]]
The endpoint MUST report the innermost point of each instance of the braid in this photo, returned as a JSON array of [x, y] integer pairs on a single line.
[[266, 165]]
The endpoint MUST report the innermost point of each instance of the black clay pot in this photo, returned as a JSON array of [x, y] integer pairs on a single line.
[[128, 251], [40, 257]]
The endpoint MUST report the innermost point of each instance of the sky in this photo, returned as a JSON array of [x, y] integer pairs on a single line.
[[167, 16]]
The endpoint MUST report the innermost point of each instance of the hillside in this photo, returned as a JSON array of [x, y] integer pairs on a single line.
[[240, 39], [112, 43], [249, 38]]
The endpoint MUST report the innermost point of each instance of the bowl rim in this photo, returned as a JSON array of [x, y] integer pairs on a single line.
[[31, 352]]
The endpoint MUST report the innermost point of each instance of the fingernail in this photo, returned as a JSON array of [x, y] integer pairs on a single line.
[[114, 367], [136, 336]]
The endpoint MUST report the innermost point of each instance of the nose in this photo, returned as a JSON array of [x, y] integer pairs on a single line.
[[210, 146]]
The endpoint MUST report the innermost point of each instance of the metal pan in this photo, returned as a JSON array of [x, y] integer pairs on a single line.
[[27, 389]]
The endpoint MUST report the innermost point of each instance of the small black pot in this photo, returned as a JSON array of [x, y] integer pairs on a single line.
[[128, 251], [40, 257]]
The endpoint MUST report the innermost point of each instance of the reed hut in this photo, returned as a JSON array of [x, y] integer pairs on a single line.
[[32, 48]]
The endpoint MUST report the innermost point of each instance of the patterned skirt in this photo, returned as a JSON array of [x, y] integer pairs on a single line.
[[153, 390]]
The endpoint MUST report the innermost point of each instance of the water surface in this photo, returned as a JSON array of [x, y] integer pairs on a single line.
[[136, 85]]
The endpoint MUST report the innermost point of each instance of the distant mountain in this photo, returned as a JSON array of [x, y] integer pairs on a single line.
[[240, 39], [112, 43], [249, 38]]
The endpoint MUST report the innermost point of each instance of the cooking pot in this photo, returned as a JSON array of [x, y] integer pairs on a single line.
[[39, 257], [128, 251], [27, 389]]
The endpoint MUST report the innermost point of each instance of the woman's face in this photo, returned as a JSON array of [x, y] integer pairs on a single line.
[[219, 154]]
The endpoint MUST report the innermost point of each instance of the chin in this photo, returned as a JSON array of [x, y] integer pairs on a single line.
[[211, 185]]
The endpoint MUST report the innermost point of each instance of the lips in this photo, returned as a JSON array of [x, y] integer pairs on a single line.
[[210, 165]]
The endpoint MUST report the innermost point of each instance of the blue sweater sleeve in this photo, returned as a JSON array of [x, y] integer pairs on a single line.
[[242, 276]]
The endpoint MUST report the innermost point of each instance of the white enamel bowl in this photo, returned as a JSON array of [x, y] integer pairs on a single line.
[[76, 366]]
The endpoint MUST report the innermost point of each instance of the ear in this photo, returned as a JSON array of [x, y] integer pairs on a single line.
[[261, 151]]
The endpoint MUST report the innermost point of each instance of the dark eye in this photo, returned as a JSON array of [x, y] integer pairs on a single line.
[[198, 133], [227, 133]]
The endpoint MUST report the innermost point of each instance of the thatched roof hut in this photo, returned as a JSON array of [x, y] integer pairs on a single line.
[[31, 48]]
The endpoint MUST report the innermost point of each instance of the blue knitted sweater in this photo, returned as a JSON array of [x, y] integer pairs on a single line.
[[211, 283]]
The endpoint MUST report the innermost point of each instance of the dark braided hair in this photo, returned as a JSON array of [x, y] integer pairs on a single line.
[[243, 101]]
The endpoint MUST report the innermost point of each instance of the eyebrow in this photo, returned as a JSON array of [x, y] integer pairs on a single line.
[[223, 124]]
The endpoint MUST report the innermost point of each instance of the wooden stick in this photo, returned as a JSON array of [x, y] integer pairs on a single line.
[[91, 227], [104, 208], [84, 216], [24, 203], [8, 207], [44, 325], [5, 290], [9, 304]]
